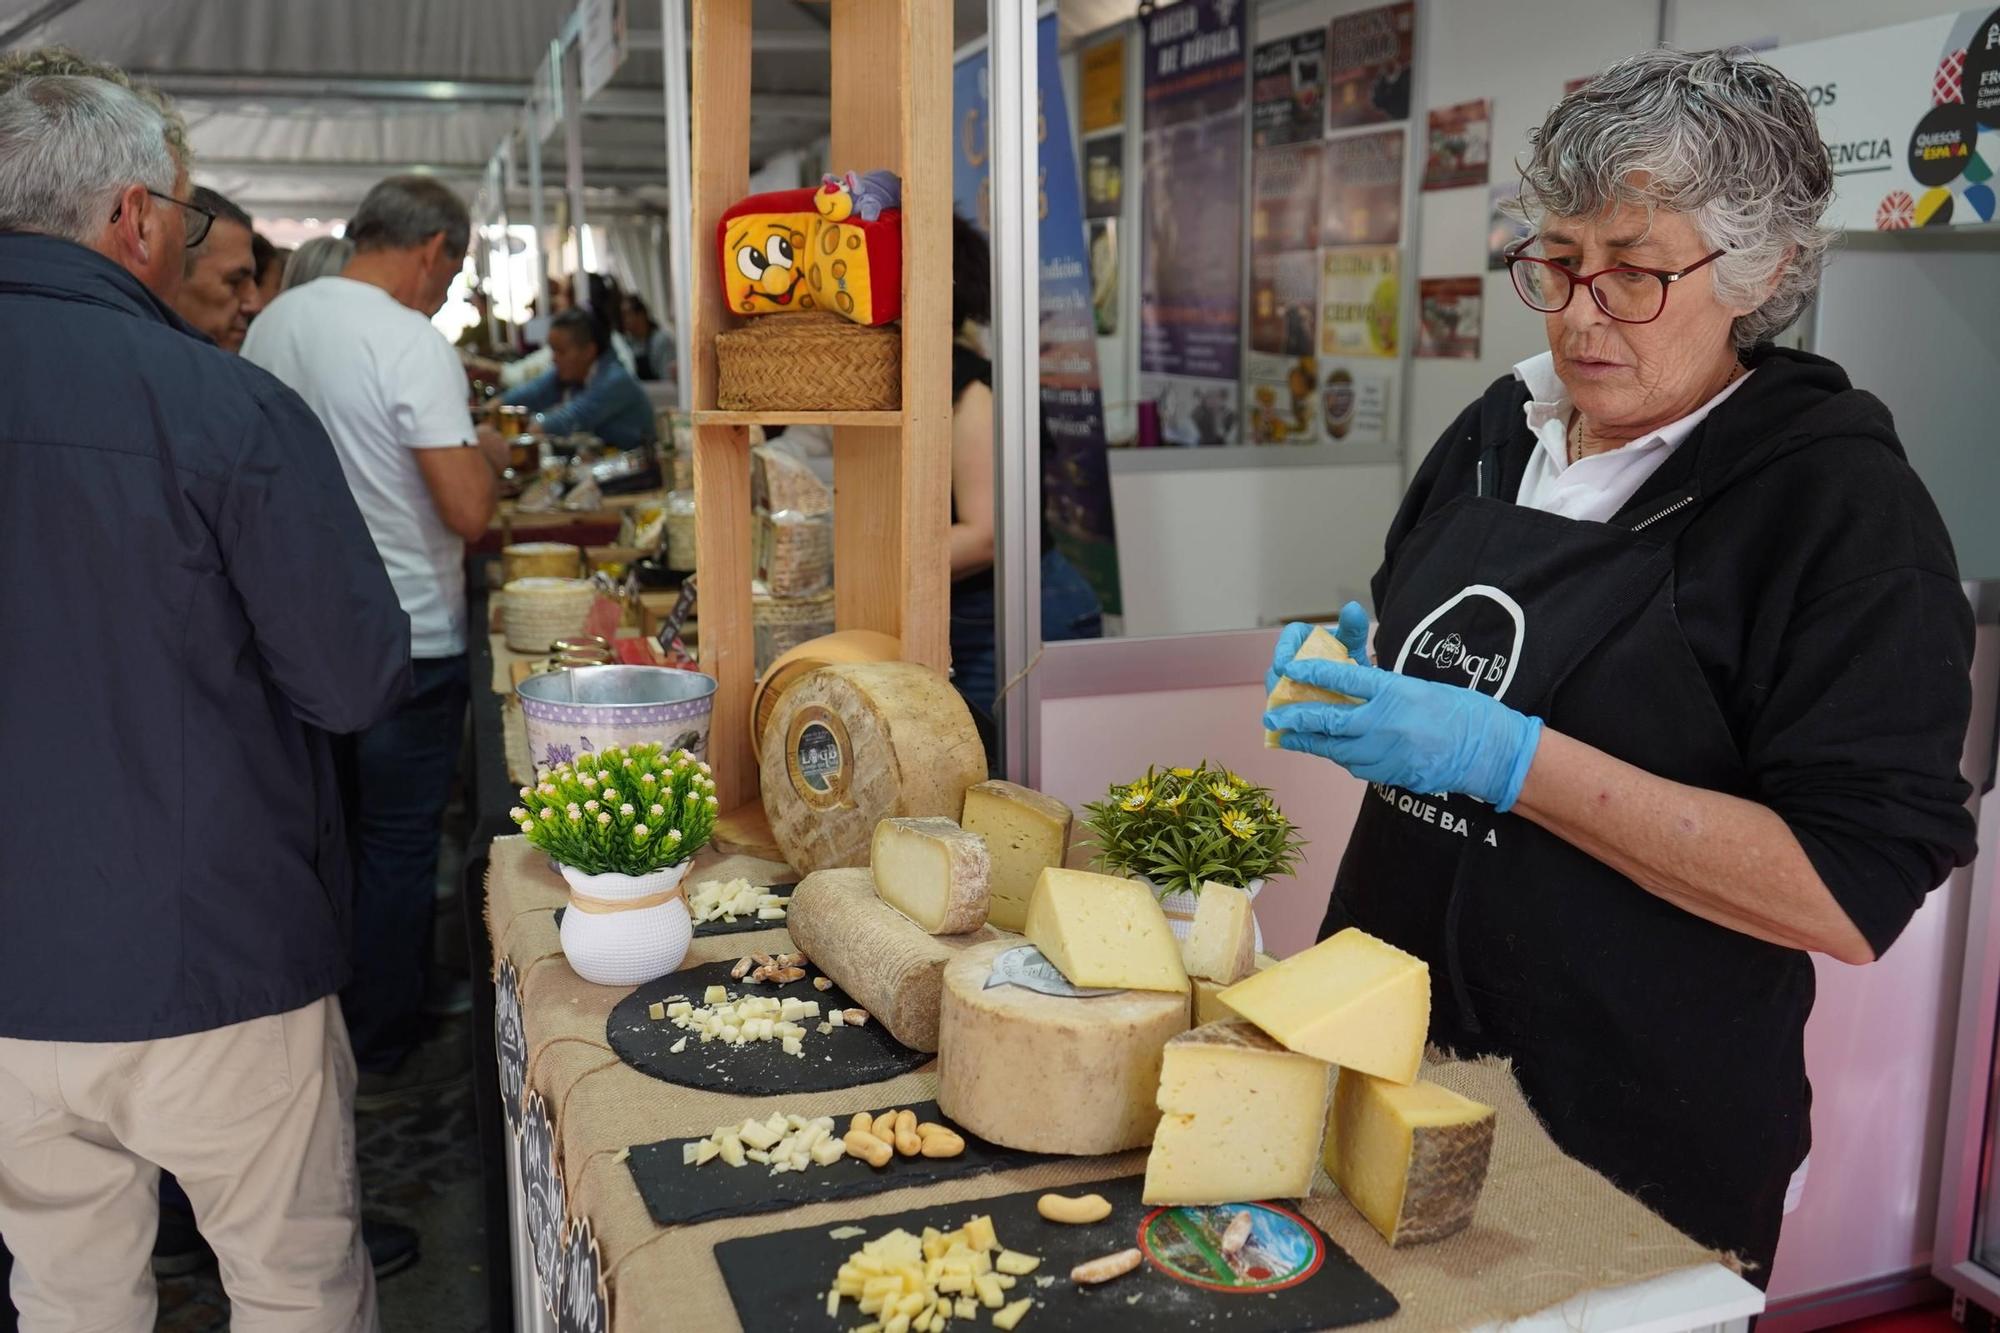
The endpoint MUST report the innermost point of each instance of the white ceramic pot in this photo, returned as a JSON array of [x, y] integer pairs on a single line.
[[1179, 908], [630, 947]]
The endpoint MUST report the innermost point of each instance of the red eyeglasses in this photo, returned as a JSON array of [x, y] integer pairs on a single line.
[[1628, 294]]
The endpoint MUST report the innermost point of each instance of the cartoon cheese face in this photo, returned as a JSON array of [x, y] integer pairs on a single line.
[[765, 268], [763, 243]]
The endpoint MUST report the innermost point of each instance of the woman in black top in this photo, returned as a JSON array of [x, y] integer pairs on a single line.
[[1070, 609]]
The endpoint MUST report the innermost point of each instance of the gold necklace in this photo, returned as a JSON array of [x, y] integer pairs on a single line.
[[1576, 454]]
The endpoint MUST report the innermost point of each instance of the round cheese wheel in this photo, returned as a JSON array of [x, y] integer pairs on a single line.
[[851, 746], [549, 560], [793, 665], [1048, 1073]]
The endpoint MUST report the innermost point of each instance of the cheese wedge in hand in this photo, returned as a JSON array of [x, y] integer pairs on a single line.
[[1319, 645]]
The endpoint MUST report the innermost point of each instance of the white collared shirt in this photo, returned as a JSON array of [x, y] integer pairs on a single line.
[[1594, 488]]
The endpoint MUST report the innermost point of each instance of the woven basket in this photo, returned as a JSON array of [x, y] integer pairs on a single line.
[[779, 624], [539, 560], [536, 612], [813, 361], [682, 533], [794, 553]]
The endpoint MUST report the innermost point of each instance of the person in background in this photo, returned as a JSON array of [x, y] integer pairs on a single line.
[[176, 1009], [652, 346], [219, 294], [1070, 609], [270, 261], [476, 339], [586, 389], [361, 350], [320, 257]]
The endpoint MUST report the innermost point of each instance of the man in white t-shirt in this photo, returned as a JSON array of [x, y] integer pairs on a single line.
[[361, 350]]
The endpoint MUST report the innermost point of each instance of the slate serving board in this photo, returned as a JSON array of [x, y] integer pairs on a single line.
[[844, 1058], [1289, 1279], [676, 1194]]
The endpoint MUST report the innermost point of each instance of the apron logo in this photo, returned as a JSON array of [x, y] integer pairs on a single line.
[[1473, 640]]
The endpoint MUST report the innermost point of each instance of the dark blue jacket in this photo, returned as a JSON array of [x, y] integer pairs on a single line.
[[189, 602], [612, 406]]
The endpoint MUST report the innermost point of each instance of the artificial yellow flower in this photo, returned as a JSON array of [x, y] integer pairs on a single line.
[[1172, 804], [1183, 772], [1224, 792], [1239, 825], [1136, 799]]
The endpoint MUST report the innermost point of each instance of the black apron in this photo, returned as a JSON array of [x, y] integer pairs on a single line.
[[1662, 1050]]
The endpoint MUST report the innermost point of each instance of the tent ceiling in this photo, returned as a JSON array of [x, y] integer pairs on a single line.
[[299, 105]]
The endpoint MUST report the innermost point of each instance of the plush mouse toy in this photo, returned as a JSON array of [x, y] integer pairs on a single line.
[[865, 196]]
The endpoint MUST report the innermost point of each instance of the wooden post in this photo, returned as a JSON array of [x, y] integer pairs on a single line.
[[720, 98]]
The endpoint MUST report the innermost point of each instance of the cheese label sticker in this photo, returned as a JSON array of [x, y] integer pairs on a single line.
[[816, 756], [1027, 968], [1209, 1247]]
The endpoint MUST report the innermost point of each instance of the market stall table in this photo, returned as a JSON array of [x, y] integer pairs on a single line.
[[1553, 1244]]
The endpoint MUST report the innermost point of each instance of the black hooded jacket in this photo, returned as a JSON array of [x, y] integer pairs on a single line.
[[1817, 591]]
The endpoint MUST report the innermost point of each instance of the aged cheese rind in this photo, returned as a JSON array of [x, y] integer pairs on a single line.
[[1026, 832], [1050, 1074], [933, 872], [1240, 1119], [1222, 943], [1412, 1160], [905, 745], [892, 967], [1350, 1000], [1101, 931], [1319, 645]]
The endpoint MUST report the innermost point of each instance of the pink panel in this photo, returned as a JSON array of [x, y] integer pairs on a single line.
[[1090, 743]]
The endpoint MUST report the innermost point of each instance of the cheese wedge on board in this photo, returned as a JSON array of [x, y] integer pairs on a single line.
[[1412, 1160], [1350, 1000], [1240, 1119], [933, 872], [1101, 931], [892, 967], [1222, 943], [1026, 833], [1051, 1073], [1321, 645]]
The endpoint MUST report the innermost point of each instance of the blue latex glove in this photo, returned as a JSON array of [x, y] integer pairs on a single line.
[[1352, 631], [1421, 735]]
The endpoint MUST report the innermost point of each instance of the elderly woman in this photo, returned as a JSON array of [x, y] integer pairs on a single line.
[[1673, 661]]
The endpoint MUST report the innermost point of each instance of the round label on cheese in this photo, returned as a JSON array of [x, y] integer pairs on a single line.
[[1282, 1249], [818, 748]]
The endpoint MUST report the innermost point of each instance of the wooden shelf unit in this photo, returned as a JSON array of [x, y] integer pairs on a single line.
[[891, 108]]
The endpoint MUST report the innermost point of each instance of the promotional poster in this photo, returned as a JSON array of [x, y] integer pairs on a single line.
[[1288, 89], [1368, 63], [1360, 299], [1284, 199], [1461, 145], [1362, 203], [1448, 313]]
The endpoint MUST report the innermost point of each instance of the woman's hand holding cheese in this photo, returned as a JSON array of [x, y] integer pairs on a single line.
[[1420, 735]]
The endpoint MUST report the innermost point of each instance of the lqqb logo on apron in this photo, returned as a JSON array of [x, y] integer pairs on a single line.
[[1473, 640]]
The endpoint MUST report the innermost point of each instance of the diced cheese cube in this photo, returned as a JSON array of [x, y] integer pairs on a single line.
[[756, 1135], [954, 1282], [1350, 1000], [715, 995], [688, 1151], [732, 1151], [679, 1009], [979, 1234], [1100, 931], [1412, 1159], [896, 1324], [1241, 1119], [933, 872], [678, 1047], [656, 1011], [965, 1307], [1017, 1265], [706, 1151], [791, 1046], [989, 1291], [1026, 833], [1222, 943], [770, 914], [1013, 1314], [759, 1156], [828, 1151]]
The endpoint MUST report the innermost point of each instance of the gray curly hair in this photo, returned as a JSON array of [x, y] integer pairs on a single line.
[[1718, 135]]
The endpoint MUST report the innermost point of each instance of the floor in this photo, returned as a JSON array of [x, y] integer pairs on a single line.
[[1927, 1319]]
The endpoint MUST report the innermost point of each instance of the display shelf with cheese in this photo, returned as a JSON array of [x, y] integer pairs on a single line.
[[890, 109]]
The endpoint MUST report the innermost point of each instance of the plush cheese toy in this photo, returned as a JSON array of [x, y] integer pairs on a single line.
[[764, 241]]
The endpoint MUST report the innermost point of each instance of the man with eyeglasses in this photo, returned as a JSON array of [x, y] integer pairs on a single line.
[[174, 882], [219, 293]]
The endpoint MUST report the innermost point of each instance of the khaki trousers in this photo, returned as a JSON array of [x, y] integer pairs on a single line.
[[257, 1121]]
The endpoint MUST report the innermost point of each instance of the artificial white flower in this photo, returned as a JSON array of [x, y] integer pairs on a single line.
[[649, 779], [673, 835], [575, 815], [517, 814], [609, 793], [548, 813], [591, 806], [603, 819], [657, 811], [625, 810], [639, 832]]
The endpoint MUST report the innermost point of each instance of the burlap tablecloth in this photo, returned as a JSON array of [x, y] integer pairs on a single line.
[[1547, 1229]]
